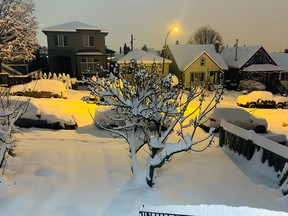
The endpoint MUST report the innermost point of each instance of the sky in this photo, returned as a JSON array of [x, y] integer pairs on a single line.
[[252, 22]]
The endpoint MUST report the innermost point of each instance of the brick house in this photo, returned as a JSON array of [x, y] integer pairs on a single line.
[[75, 48]]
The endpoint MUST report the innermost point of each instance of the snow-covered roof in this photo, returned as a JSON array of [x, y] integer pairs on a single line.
[[185, 55], [88, 53], [72, 27], [281, 59], [262, 67], [142, 56], [243, 55]]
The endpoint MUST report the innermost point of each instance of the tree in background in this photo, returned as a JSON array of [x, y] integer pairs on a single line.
[[149, 108], [18, 29], [206, 35]]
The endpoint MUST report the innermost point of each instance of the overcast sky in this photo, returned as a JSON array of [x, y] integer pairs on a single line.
[[253, 22]]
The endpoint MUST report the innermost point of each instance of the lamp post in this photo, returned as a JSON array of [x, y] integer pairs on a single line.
[[172, 29]]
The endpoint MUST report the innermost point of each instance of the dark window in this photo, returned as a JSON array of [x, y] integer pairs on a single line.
[[202, 61], [60, 41], [88, 40]]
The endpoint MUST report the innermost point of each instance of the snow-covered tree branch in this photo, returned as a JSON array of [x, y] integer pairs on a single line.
[[151, 109], [10, 111], [18, 29]]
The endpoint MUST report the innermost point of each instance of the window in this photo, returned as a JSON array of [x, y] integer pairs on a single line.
[[202, 61], [197, 77], [88, 40], [89, 65], [60, 41]]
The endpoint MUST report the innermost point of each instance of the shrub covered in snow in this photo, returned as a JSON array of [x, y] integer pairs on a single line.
[[251, 85]]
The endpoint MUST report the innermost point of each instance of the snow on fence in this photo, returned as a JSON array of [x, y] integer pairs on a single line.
[[146, 213], [246, 142]]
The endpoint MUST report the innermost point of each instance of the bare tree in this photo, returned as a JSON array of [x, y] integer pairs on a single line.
[[18, 29], [152, 109], [206, 35]]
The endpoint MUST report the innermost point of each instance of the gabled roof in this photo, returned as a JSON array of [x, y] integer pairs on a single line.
[[72, 27], [281, 59], [243, 55], [142, 56], [187, 54], [262, 67]]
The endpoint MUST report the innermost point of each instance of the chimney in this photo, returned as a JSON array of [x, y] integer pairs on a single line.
[[217, 46], [236, 49]]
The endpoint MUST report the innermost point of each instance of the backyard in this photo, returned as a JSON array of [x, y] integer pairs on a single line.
[[87, 172]]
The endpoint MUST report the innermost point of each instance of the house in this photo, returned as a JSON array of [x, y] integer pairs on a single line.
[[198, 62], [75, 48], [146, 58], [281, 59], [250, 62]]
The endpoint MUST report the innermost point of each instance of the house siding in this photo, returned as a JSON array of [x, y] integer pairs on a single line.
[[210, 70]]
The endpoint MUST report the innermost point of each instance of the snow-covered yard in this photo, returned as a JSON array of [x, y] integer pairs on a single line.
[[86, 172]]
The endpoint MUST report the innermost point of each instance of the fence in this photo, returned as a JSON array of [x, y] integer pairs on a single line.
[[246, 142], [146, 213]]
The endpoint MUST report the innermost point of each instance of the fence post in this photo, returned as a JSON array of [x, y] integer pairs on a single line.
[[221, 136], [250, 149]]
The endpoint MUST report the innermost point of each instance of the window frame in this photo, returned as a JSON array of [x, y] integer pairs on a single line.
[[88, 41], [60, 40]]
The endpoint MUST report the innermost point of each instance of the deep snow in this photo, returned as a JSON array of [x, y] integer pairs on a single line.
[[86, 172]]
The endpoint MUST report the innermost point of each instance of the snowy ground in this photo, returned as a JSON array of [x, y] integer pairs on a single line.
[[86, 173]]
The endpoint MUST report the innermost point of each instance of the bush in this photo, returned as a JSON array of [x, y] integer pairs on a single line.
[[251, 85]]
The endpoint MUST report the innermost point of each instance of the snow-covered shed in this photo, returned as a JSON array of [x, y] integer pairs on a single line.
[[198, 61], [250, 62], [146, 58]]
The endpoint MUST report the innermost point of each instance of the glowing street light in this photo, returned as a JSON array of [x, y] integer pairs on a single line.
[[173, 29]]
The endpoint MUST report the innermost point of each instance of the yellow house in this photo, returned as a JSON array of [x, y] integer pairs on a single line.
[[146, 58], [198, 62]]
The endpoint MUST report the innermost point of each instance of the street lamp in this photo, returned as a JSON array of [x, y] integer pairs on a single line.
[[174, 29]]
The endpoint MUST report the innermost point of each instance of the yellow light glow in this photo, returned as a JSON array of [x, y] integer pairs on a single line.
[[175, 29]]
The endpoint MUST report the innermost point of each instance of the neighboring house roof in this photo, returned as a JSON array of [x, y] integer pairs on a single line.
[[187, 54], [281, 59], [72, 27], [262, 67], [243, 55], [142, 56]]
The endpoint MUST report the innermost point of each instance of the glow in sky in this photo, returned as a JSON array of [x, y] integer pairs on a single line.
[[253, 22]]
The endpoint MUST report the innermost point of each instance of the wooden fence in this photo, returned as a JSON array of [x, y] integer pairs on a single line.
[[246, 142]]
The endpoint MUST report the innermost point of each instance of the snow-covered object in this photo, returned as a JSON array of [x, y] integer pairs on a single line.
[[18, 29], [208, 210], [237, 116], [5, 183], [262, 99], [43, 113], [50, 88], [251, 85]]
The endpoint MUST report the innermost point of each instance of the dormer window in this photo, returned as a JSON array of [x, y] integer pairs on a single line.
[[88, 41], [202, 61], [60, 41]]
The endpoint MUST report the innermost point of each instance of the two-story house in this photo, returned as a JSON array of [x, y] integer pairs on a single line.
[[75, 48], [251, 62]]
